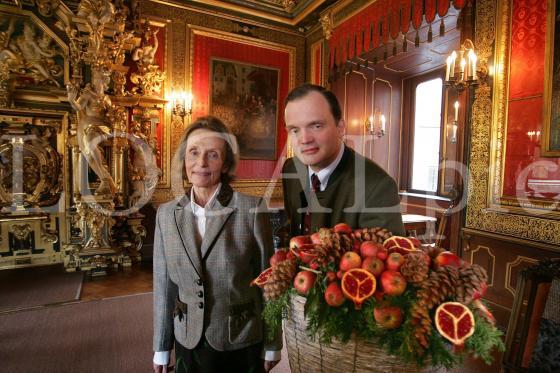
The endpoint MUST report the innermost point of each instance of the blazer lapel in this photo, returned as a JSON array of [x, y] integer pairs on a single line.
[[219, 214], [184, 219]]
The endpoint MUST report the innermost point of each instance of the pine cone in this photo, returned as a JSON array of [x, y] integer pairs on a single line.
[[336, 243], [415, 268], [280, 279], [375, 234], [432, 251], [471, 279], [439, 286]]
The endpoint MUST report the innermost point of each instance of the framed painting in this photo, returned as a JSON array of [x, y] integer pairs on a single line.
[[551, 122], [245, 97]]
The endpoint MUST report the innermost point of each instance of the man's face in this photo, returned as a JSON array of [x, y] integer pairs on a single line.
[[312, 130]]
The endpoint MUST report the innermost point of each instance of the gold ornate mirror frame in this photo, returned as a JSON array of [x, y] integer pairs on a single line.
[[487, 209]]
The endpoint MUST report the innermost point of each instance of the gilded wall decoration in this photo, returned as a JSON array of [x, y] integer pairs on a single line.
[[493, 22], [30, 56]]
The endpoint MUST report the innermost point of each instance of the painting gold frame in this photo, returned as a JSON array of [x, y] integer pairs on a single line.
[[486, 209], [271, 189]]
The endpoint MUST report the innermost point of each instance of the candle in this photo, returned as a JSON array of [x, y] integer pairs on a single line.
[[188, 101], [456, 110], [452, 68], [463, 72], [383, 123], [448, 68], [453, 133], [472, 64]]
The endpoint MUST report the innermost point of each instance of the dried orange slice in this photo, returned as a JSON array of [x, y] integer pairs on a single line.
[[262, 278], [358, 285], [454, 321], [402, 245]]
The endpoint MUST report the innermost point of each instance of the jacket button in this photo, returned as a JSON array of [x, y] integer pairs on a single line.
[[198, 282], [200, 293], [201, 305]]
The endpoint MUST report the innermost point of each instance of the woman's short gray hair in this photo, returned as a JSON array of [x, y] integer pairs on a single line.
[[213, 124]]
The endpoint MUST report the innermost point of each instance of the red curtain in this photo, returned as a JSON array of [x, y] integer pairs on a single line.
[[381, 22]]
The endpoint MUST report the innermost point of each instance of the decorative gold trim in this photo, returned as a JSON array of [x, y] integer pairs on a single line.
[[317, 45], [510, 265], [549, 77], [493, 272], [245, 10], [493, 20]]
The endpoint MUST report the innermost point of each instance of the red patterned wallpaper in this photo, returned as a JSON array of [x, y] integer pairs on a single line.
[[523, 164], [206, 47]]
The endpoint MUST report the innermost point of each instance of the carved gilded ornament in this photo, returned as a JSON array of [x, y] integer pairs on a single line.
[[27, 57], [21, 231], [493, 24], [47, 7], [94, 219], [41, 170], [149, 78], [289, 5], [327, 25]]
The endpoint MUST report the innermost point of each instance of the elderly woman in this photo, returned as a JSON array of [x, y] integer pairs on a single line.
[[209, 245]]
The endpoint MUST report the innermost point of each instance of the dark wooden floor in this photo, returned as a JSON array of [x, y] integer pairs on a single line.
[[134, 280], [138, 279]]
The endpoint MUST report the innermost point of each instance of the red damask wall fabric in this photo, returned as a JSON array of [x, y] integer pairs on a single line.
[[204, 49], [523, 162]]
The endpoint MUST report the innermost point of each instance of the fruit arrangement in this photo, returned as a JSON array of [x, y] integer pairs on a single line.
[[420, 303]]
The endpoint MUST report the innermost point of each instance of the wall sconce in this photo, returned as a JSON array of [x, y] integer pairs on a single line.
[[453, 126], [375, 124], [182, 104], [461, 70]]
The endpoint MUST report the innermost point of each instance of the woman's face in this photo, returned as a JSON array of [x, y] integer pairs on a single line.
[[204, 158]]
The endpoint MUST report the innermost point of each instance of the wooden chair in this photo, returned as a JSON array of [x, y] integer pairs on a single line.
[[533, 334]]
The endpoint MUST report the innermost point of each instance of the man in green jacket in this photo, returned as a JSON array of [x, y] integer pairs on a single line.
[[327, 183]]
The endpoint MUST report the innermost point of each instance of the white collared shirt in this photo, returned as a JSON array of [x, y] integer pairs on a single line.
[[200, 212], [326, 172]]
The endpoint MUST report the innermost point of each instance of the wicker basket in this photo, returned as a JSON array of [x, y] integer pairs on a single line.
[[356, 355]]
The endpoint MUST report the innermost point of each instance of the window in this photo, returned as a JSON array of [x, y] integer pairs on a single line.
[[423, 134], [427, 129]]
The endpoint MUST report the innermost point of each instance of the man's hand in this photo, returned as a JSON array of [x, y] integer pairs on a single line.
[[160, 368], [268, 365]]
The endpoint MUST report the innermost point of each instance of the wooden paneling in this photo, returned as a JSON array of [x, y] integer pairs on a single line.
[[503, 259]]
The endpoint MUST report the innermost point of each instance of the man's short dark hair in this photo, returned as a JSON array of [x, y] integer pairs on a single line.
[[305, 89]]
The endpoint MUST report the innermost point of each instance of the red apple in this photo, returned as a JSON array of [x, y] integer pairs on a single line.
[[342, 228], [388, 317], [357, 233], [393, 283], [316, 238], [373, 265], [369, 249], [303, 282], [394, 261], [331, 276], [350, 260], [299, 241], [382, 253], [447, 258], [356, 246], [339, 274], [333, 295], [278, 257]]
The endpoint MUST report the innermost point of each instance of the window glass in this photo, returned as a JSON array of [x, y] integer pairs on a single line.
[[427, 130]]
